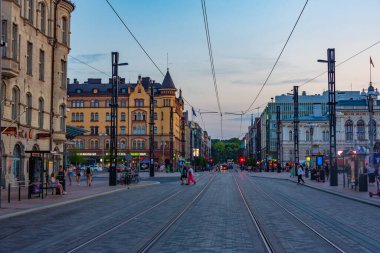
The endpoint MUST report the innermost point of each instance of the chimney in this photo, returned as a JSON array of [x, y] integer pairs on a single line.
[[303, 93], [75, 81]]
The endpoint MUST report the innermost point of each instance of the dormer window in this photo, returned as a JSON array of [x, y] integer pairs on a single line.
[[78, 91], [139, 90], [95, 91], [123, 90]]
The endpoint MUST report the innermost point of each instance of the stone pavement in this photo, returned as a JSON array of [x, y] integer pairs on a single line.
[[74, 193], [346, 191]]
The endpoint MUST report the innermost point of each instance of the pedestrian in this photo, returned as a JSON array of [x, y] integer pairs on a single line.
[[61, 176], [78, 174], [327, 172], [70, 173], [190, 176], [54, 183], [89, 176], [184, 172], [299, 174]]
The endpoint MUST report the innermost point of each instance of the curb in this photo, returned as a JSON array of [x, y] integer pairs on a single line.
[[328, 191], [11, 215]]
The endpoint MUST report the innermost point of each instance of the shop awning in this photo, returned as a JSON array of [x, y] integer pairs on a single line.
[[72, 132]]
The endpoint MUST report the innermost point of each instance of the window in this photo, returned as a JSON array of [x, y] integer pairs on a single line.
[[62, 115], [138, 144], [94, 103], [108, 117], [122, 103], [15, 42], [3, 97], [107, 103], [167, 102], [372, 127], [360, 130], [122, 130], [122, 117], [143, 130], [327, 136], [42, 66], [107, 130], [134, 130], [122, 144], [307, 135], [28, 109], [290, 135], [43, 17], [29, 59], [63, 74], [73, 117], [162, 115], [349, 130], [155, 116], [81, 117], [94, 144], [30, 11], [41, 113], [4, 36], [64, 31], [92, 116], [96, 116], [154, 103], [139, 116], [155, 130], [139, 102], [107, 146], [15, 104]]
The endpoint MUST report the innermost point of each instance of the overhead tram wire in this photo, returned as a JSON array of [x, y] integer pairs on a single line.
[[341, 63], [88, 65], [207, 30], [278, 58], [134, 37]]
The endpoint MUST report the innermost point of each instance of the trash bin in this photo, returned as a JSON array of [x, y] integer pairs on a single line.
[[363, 182]]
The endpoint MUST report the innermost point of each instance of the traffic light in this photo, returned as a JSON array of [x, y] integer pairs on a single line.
[[241, 160]]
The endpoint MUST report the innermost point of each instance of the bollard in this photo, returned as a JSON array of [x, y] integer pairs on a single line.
[[9, 193], [19, 191]]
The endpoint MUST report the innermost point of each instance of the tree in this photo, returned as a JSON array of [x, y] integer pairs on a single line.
[[75, 158]]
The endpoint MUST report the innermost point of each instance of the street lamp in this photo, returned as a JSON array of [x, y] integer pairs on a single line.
[[104, 140]]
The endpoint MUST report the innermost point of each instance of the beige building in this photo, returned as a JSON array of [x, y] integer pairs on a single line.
[[33, 85]]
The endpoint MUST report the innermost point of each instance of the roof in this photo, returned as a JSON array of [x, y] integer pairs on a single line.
[[72, 132], [168, 82]]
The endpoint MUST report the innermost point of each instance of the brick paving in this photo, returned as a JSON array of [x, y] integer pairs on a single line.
[[340, 190]]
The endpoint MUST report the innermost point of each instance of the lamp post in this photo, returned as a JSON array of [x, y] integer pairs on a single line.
[[371, 97], [102, 159], [163, 144]]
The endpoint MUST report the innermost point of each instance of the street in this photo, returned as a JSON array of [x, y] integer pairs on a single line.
[[209, 216]]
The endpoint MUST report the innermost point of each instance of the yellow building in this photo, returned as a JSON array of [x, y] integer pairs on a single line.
[[90, 109]]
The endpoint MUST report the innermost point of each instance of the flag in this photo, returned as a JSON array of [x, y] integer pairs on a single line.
[[371, 62], [194, 114]]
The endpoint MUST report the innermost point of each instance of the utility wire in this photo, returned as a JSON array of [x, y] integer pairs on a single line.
[[134, 37], [341, 63], [88, 65], [278, 58], [209, 45]]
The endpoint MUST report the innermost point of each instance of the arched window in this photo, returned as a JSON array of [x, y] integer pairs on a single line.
[[15, 104], [290, 135], [17, 163], [28, 109], [138, 130], [143, 130], [372, 127], [122, 144], [360, 130], [307, 135], [107, 145], [64, 31], [94, 144], [143, 116], [62, 116], [43, 17], [349, 130], [41, 112], [139, 116]]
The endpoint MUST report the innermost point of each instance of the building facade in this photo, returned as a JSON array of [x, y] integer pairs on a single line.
[[33, 85], [90, 109]]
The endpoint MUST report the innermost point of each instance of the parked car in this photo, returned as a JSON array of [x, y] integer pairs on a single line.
[[95, 168]]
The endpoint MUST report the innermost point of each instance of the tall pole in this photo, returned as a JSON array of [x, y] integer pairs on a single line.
[[171, 138], [295, 125], [2, 44], [278, 124], [151, 136], [114, 111], [332, 116]]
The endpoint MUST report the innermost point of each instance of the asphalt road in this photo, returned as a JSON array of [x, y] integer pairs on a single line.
[[217, 221]]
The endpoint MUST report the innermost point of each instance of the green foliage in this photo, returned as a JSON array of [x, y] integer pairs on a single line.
[[251, 162], [225, 149]]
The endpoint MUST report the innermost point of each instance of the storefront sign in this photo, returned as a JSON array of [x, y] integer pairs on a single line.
[[137, 154], [21, 133], [87, 154]]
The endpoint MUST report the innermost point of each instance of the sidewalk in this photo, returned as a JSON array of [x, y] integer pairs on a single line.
[[337, 190], [75, 193]]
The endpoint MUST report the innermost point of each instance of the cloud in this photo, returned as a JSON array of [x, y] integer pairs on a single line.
[[90, 58]]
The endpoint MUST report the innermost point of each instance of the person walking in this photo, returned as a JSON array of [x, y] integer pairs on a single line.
[[89, 176], [327, 172], [299, 174], [190, 176], [77, 174], [70, 173], [184, 172]]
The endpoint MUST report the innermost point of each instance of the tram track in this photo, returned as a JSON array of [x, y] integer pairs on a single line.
[[297, 218], [114, 228], [265, 239]]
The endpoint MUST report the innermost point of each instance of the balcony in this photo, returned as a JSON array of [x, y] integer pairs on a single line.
[[10, 68]]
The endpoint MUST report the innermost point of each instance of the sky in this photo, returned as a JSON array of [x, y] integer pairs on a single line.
[[247, 37]]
